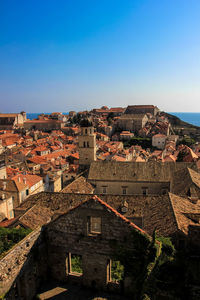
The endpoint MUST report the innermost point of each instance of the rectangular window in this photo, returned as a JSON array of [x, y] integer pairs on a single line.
[[104, 189], [94, 225], [74, 264], [144, 190], [115, 271], [164, 191], [124, 190]]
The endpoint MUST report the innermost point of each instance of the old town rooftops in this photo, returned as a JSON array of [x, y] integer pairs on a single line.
[[156, 211], [188, 177], [185, 212], [79, 185]]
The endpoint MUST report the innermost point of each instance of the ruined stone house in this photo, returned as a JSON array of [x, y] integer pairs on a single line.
[[86, 231]]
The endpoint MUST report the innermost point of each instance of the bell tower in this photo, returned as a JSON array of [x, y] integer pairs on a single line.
[[87, 143]]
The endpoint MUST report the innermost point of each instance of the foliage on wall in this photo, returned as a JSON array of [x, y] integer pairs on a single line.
[[11, 236]]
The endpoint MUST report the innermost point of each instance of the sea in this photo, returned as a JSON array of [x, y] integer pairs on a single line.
[[189, 117], [32, 116], [192, 118]]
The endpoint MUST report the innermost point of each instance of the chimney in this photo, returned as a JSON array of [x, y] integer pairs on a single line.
[[3, 196], [24, 180], [124, 207], [19, 179], [4, 185]]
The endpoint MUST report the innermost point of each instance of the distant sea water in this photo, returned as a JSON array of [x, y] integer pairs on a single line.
[[32, 116], [192, 118]]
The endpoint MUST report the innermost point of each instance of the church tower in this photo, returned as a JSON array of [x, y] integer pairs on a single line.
[[87, 143]]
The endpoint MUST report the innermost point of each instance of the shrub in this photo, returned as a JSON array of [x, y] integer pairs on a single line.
[[11, 236]]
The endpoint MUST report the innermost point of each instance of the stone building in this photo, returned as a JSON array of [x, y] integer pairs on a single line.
[[85, 231], [87, 226], [3, 173], [163, 212], [21, 186], [132, 178], [142, 109], [55, 183], [131, 122], [186, 182], [87, 143], [6, 206], [16, 189], [159, 140], [12, 120], [80, 186], [43, 124]]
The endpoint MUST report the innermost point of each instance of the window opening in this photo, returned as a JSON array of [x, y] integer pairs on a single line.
[[75, 265], [94, 225], [115, 271], [104, 189], [144, 191], [124, 190]]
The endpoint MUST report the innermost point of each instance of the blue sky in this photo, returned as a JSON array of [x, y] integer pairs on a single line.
[[75, 55]]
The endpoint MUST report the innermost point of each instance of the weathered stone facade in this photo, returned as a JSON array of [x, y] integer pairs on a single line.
[[12, 120], [131, 122], [87, 145], [24, 268], [3, 174], [70, 234], [87, 230], [135, 178]]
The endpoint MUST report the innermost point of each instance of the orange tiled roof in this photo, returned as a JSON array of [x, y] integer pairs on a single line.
[[19, 182], [30, 180], [7, 223], [42, 121]]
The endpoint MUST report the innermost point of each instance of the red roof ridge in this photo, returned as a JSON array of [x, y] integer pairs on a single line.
[[95, 197]]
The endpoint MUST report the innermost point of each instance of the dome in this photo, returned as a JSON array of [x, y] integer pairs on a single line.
[[105, 107], [85, 123]]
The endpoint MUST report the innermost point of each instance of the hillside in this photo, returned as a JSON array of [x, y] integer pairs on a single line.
[[183, 128]]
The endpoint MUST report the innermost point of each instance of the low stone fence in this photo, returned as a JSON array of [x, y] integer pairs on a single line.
[[13, 261]]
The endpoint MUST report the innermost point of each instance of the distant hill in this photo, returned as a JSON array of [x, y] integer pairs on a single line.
[[183, 128], [174, 120]]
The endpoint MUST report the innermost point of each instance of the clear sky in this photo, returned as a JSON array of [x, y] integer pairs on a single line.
[[61, 55]]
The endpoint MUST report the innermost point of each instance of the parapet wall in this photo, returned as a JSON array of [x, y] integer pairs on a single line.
[[16, 261]]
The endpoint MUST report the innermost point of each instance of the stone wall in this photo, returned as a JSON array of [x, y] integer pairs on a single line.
[[70, 234], [194, 234], [23, 268], [132, 188], [6, 207], [3, 173]]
